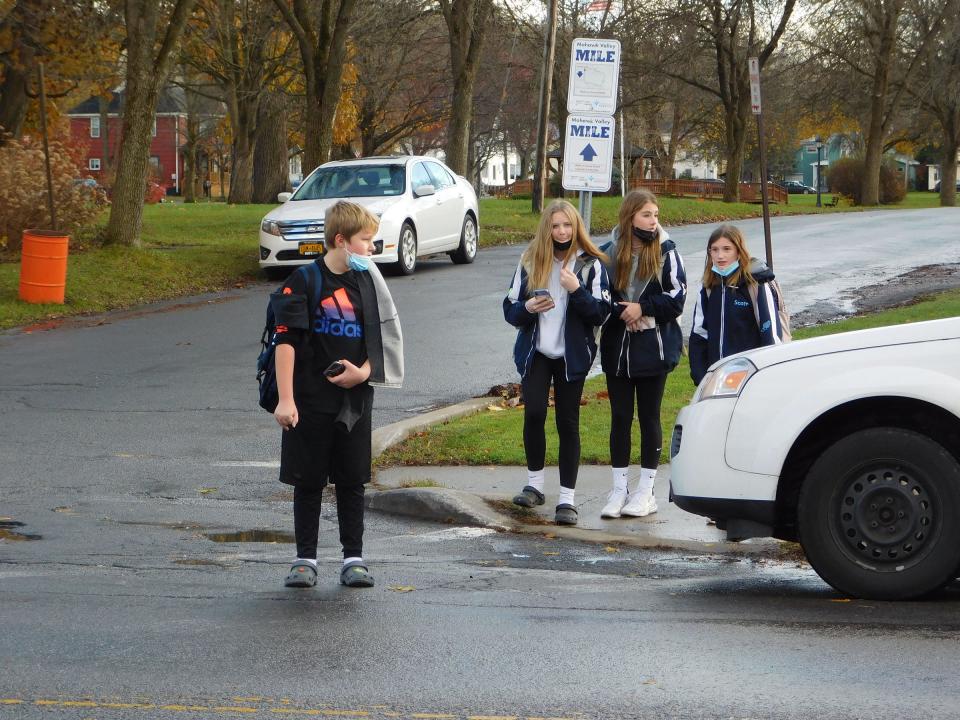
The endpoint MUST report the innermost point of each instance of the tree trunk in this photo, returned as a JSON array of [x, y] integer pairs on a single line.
[[271, 173], [189, 187], [241, 173], [948, 166], [466, 23], [126, 208], [736, 135], [13, 101], [147, 70], [886, 20]]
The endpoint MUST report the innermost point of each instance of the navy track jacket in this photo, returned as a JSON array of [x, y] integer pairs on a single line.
[[725, 321], [587, 308], [655, 351]]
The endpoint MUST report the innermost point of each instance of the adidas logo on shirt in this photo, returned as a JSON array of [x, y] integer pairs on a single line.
[[336, 317]]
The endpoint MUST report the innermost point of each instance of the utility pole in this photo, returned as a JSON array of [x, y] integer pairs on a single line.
[[543, 107]]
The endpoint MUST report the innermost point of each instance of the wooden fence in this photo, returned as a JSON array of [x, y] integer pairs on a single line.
[[749, 192]]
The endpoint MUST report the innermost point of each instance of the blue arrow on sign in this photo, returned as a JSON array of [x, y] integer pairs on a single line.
[[588, 153]]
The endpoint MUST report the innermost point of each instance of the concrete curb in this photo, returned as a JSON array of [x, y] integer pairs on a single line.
[[389, 435], [440, 505]]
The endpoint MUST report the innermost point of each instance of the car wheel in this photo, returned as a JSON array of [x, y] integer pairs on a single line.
[[879, 515], [468, 242], [406, 251]]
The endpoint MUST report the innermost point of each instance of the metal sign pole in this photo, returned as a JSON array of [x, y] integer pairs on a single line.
[[586, 206], [754, 64], [819, 168]]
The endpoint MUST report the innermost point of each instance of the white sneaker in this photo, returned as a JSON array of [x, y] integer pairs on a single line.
[[640, 505], [615, 502]]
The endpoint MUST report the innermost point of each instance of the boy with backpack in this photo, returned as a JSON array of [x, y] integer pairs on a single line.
[[337, 334]]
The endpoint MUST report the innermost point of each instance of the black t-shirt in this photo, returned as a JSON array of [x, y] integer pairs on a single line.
[[336, 332]]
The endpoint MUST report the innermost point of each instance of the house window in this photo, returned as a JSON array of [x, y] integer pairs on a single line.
[[94, 127], [155, 162], [93, 164], [153, 130]]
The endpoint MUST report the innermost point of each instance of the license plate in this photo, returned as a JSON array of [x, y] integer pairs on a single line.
[[311, 248]]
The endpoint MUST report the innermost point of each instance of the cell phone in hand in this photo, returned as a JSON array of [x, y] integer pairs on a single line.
[[335, 368], [543, 293]]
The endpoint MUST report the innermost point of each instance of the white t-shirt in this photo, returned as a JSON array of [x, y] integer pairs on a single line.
[[550, 341]]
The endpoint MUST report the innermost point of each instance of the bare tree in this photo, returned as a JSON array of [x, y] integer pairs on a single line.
[[938, 88], [321, 35], [466, 22], [152, 35], [729, 32]]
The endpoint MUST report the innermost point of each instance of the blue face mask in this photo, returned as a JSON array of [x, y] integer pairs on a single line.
[[728, 270], [360, 263]]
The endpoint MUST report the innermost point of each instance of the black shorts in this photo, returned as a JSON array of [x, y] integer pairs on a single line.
[[319, 450]]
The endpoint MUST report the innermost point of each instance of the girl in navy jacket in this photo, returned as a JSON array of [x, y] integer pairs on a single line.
[[641, 343], [737, 307], [558, 299]]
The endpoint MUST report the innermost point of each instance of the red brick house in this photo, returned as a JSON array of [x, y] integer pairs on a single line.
[[166, 146]]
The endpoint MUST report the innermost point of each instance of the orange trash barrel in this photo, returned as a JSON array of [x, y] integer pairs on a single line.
[[43, 266]]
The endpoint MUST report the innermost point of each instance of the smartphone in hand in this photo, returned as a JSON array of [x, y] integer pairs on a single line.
[[335, 368], [542, 293]]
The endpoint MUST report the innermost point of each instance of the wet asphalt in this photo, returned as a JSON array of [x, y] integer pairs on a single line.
[[129, 438]]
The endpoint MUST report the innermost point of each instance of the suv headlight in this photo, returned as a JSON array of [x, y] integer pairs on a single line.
[[270, 227], [727, 380]]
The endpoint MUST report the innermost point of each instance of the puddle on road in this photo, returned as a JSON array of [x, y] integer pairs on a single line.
[[252, 536], [8, 533]]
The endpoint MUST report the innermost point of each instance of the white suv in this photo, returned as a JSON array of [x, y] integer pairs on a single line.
[[423, 206], [849, 443]]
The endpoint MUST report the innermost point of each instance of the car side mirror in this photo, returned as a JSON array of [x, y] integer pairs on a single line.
[[283, 197], [424, 190]]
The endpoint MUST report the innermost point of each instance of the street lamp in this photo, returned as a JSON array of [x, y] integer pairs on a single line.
[[819, 168]]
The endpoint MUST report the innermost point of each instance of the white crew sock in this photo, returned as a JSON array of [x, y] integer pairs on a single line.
[[620, 479], [353, 559], [535, 479], [312, 561], [645, 483], [566, 496]]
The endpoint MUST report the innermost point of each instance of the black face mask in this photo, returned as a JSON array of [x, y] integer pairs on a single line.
[[645, 236], [562, 245]]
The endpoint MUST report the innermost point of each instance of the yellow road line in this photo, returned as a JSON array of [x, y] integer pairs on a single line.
[[10, 701]]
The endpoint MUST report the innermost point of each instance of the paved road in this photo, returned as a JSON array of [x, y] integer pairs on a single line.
[[127, 610]]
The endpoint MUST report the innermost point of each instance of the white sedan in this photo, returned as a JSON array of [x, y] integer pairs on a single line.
[[424, 209], [849, 443]]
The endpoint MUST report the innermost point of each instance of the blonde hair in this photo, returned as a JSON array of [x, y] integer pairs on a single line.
[[648, 265], [538, 257], [741, 274], [347, 219]]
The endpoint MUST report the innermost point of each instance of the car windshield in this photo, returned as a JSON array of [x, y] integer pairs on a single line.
[[350, 181]]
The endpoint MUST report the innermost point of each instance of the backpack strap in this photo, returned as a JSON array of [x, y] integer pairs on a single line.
[[314, 280]]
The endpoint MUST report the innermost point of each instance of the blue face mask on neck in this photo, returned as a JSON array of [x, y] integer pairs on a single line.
[[360, 263], [728, 270]]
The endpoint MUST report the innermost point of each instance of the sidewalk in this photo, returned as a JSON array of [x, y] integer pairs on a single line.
[[462, 494]]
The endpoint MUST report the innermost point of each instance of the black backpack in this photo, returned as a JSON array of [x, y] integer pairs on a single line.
[[266, 362]]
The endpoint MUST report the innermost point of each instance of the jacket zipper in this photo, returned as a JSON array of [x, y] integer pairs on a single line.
[[659, 340], [723, 307]]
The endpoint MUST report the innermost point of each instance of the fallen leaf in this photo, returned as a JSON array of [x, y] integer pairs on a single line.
[[549, 536], [401, 588], [494, 408], [842, 600], [611, 549], [206, 491], [551, 553]]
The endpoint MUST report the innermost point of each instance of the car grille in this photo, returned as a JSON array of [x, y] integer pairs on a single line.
[[299, 230], [675, 442]]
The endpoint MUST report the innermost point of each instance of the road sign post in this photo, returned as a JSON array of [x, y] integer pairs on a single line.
[[756, 107], [590, 131]]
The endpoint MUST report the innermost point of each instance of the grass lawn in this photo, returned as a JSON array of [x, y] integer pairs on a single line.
[[189, 249], [186, 249], [494, 437], [512, 221]]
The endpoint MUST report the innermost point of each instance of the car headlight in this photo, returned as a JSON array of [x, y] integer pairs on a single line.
[[270, 227], [727, 380]]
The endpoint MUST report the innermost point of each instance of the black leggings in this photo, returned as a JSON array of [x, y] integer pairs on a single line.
[[566, 396], [306, 519], [649, 393]]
